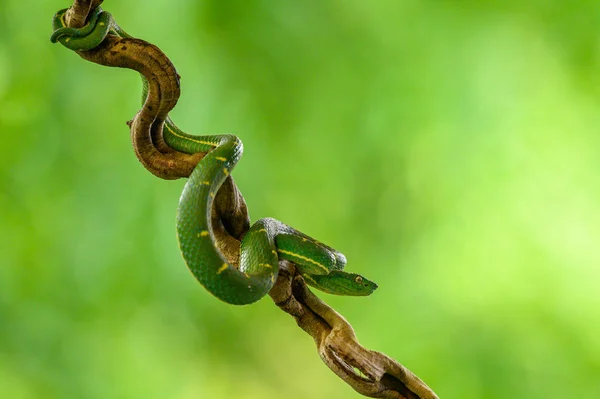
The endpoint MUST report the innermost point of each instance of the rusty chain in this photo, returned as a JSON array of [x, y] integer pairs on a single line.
[[370, 373]]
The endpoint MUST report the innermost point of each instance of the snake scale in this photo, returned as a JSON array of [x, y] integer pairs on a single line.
[[265, 243]]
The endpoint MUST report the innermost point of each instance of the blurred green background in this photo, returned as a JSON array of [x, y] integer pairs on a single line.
[[448, 148]]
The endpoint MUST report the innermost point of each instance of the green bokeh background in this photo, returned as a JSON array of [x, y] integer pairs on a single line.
[[448, 148]]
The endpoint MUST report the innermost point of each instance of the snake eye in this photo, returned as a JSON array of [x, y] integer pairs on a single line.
[[358, 279]]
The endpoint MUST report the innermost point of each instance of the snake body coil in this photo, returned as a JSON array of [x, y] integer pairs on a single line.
[[265, 243]]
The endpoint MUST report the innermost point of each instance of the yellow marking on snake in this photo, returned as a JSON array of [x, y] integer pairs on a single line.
[[212, 195], [274, 252], [265, 265], [101, 23], [174, 133], [308, 277], [222, 268], [221, 159], [309, 260], [226, 171], [206, 183], [203, 233], [262, 230], [67, 39]]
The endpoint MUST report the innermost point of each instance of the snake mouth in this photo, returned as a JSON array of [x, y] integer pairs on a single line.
[[350, 367]]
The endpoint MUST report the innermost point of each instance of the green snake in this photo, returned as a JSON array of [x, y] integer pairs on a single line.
[[266, 242]]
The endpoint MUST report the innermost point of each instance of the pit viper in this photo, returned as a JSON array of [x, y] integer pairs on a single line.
[[266, 242]]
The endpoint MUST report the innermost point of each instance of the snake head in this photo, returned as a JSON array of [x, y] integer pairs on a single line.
[[362, 286], [338, 282], [366, 286]]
